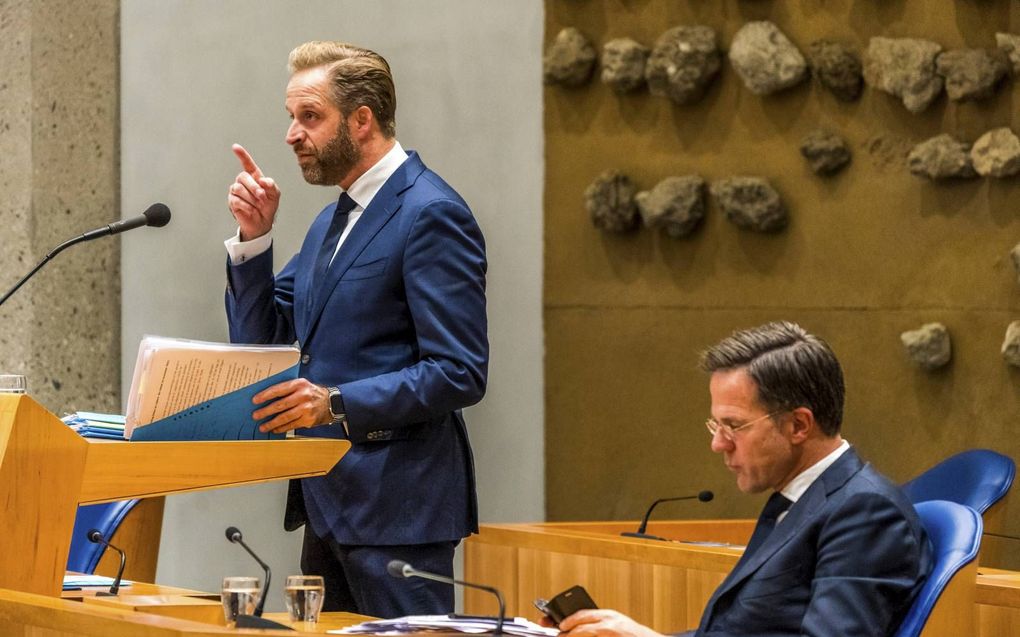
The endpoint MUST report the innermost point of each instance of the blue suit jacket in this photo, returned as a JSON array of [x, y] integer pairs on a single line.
[[848, 559], [399, 325]]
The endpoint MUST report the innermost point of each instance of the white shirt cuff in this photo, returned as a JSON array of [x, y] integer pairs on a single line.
[[240, 251]]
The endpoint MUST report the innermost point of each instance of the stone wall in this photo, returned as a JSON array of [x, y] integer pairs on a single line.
[[59, 167], [868, 253]]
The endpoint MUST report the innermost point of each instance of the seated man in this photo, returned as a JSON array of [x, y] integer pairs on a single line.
[[838, 549]]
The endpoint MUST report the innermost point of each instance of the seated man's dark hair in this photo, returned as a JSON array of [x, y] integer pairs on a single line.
[[791, 368]]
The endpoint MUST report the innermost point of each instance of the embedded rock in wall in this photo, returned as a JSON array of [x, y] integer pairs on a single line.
[[826, 152], [996, 153], [569, 59], [765, 59], [905, 68], [837, 68], [971, 74], [1014, 254], [751, 203], [1010, 45], [676, 205], [929, 346], [941, 157], [623, 64], [1011, 345], [610, 202], [683, 63]]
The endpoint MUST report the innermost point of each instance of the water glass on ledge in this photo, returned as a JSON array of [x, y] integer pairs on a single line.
[[240, 596], [13, 384], [303, 595]]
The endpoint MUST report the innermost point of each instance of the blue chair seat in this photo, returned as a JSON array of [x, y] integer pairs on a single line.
[[977, 478], [955, 533], [84, 555]]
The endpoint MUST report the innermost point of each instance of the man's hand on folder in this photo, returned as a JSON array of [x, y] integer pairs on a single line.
[[296, 403]]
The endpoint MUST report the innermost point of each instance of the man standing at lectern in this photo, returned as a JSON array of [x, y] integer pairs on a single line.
[[838, 549], [386, 300]]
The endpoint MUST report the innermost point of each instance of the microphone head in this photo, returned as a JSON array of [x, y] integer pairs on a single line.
[[233, 534], [397, 568], [706, 496], [157, 215], [95, 536]]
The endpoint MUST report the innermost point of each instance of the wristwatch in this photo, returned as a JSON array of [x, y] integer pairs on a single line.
[[336, 407]]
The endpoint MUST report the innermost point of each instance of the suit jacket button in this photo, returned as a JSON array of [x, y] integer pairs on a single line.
[[305, 359]]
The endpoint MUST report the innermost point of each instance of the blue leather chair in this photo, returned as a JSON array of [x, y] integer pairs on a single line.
[[977, 478], [955, 534], [84, 555]]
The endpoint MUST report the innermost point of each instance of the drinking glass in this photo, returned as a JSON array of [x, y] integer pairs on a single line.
[[13, 384], [303, 595], [240, 596]]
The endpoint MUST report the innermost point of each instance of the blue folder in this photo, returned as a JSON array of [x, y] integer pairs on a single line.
[[225, 418]]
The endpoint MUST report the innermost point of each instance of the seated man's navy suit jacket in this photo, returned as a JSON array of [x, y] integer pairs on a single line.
[[847, 560], [399, 325]]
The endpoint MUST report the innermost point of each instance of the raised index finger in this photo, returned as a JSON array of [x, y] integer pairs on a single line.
[[247, 163]]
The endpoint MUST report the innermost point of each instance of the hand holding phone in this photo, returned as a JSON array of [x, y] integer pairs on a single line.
[[565, 604]]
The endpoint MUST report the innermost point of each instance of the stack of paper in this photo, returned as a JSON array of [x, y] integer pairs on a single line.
[[193, 390], [74, 582], [447, 623], [92, 425]]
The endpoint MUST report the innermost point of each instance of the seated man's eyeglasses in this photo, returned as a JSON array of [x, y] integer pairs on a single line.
[[729, 431]]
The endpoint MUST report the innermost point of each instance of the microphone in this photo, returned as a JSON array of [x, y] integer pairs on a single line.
[[704, 496], [400, 568], [157, 215], [96, 537], [234, 535]]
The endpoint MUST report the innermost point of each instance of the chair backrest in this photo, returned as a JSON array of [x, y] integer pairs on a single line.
[[84, 555], [977, 478], [955, 534]]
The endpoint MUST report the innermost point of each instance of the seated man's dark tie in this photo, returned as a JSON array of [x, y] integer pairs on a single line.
[[767, 520], [336, 228]]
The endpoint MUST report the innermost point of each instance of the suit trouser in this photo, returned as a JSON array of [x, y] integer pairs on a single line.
[[357, 581]]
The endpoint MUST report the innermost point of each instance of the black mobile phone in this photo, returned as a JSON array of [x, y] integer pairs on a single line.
[[565, 604]]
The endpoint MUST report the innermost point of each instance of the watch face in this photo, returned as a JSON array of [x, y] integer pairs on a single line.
[[336, 403]]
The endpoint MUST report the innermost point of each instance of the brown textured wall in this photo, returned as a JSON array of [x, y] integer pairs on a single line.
[[58, 178], [868, 254]]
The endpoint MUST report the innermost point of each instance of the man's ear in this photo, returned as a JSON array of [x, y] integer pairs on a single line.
[[361, 121], [804, 424]]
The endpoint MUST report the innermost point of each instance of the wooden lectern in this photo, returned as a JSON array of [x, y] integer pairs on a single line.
[[47, 470]]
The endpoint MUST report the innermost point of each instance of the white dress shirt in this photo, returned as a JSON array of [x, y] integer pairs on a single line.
[[807, 477], [362, 191]]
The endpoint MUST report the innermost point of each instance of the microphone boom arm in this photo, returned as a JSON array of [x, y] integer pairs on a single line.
[[96, 537]]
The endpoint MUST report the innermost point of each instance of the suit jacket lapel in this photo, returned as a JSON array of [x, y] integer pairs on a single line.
[[383, 206], [800, 514]]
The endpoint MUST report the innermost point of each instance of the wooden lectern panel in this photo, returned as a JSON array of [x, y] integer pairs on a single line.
[[47, 470], [41, 472]]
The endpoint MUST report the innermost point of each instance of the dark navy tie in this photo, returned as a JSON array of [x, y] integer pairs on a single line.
[[336, 228], [767, 520]]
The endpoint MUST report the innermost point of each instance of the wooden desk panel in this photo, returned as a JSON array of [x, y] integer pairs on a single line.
[[666, 585], [662, 584], [31, 615]]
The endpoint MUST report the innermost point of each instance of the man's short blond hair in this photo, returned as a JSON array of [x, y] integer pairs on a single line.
[[358, 77]]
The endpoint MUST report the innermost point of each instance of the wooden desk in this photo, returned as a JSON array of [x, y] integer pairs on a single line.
[[998, 602], [664, 585], [661, 584], [28, 615]]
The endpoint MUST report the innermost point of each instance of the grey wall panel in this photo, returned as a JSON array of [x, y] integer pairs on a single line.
[[198, 76]]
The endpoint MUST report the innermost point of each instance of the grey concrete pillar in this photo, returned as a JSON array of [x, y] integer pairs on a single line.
[[59, 176]]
